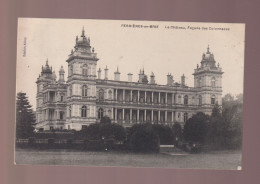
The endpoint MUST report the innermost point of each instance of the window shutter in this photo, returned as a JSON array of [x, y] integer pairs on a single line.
[[79, 110], [89, 70], [88, 109], [89, 90]]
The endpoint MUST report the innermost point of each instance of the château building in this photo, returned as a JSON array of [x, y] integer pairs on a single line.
[[86, 97]]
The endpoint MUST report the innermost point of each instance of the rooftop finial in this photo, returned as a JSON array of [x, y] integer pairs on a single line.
[[117, 69], [83, 32], [208, 49], [47, 62]]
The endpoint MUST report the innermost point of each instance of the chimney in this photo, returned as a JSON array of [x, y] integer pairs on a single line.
[[152, 80], [106, 73], [117, 75], [130, 77], [99, 73], [141, 76], [169, 80], [183, 80]]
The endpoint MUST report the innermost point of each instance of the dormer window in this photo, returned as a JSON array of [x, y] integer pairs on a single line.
[[186, 100], [213, 82], [85, 70]]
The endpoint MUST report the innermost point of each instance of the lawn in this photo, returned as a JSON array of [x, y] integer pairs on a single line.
[[212, 160]]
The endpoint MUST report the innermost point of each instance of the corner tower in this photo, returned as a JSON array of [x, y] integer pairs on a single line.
[[81, 90], [208, 82]]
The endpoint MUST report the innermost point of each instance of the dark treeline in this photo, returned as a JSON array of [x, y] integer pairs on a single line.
[[221, 130]]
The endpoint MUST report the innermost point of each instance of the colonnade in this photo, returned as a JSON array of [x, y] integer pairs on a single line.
[[144, 96], [136, 115]]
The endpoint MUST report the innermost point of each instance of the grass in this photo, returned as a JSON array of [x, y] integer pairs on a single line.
[[212, 160]]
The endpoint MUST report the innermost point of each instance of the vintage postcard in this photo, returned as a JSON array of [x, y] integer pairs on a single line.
[[129, 93]]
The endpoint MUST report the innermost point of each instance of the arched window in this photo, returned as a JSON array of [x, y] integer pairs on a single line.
[[83, 111], [101, 94], [61, 115], [84, 90], [109, 113], [179, 99], [199, 82], [85, 70], [200, 100], [185, 117], [70, 111], [213, 82], [110, 95], [100, 113], [213, 99], [186, 100]]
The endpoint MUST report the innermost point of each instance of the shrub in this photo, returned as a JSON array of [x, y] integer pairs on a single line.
[[165, 134], [195, 128], [143, 138], [177, 133], [105, 120]]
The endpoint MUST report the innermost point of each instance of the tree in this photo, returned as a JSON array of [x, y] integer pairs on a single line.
[[92, 132], [177, 132], [195, 128], [216, 111], [143, 138], [113, 130], [105, 119], [232, 115], [164, 132], [25, 117]]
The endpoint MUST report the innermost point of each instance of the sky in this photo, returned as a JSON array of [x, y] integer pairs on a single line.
[[166, 47]]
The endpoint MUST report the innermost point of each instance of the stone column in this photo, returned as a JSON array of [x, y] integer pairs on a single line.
[[166, 102], [131, 115], [159, 116], [172, 98], [123, 114], [115, 114], [131, 95], [137, 115], [165, 118], [138, 96], [123, 95], [152, 97], [152, 116], [145, 115], [159, 98], [172, 116], [144, 96], [116, 94]]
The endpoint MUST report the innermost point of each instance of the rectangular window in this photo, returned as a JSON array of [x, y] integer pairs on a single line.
[[212, 100]]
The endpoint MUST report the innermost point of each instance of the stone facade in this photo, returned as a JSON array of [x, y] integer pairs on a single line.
[[85, 98]]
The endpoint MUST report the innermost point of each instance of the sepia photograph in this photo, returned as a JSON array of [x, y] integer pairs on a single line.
[[129, 93]]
